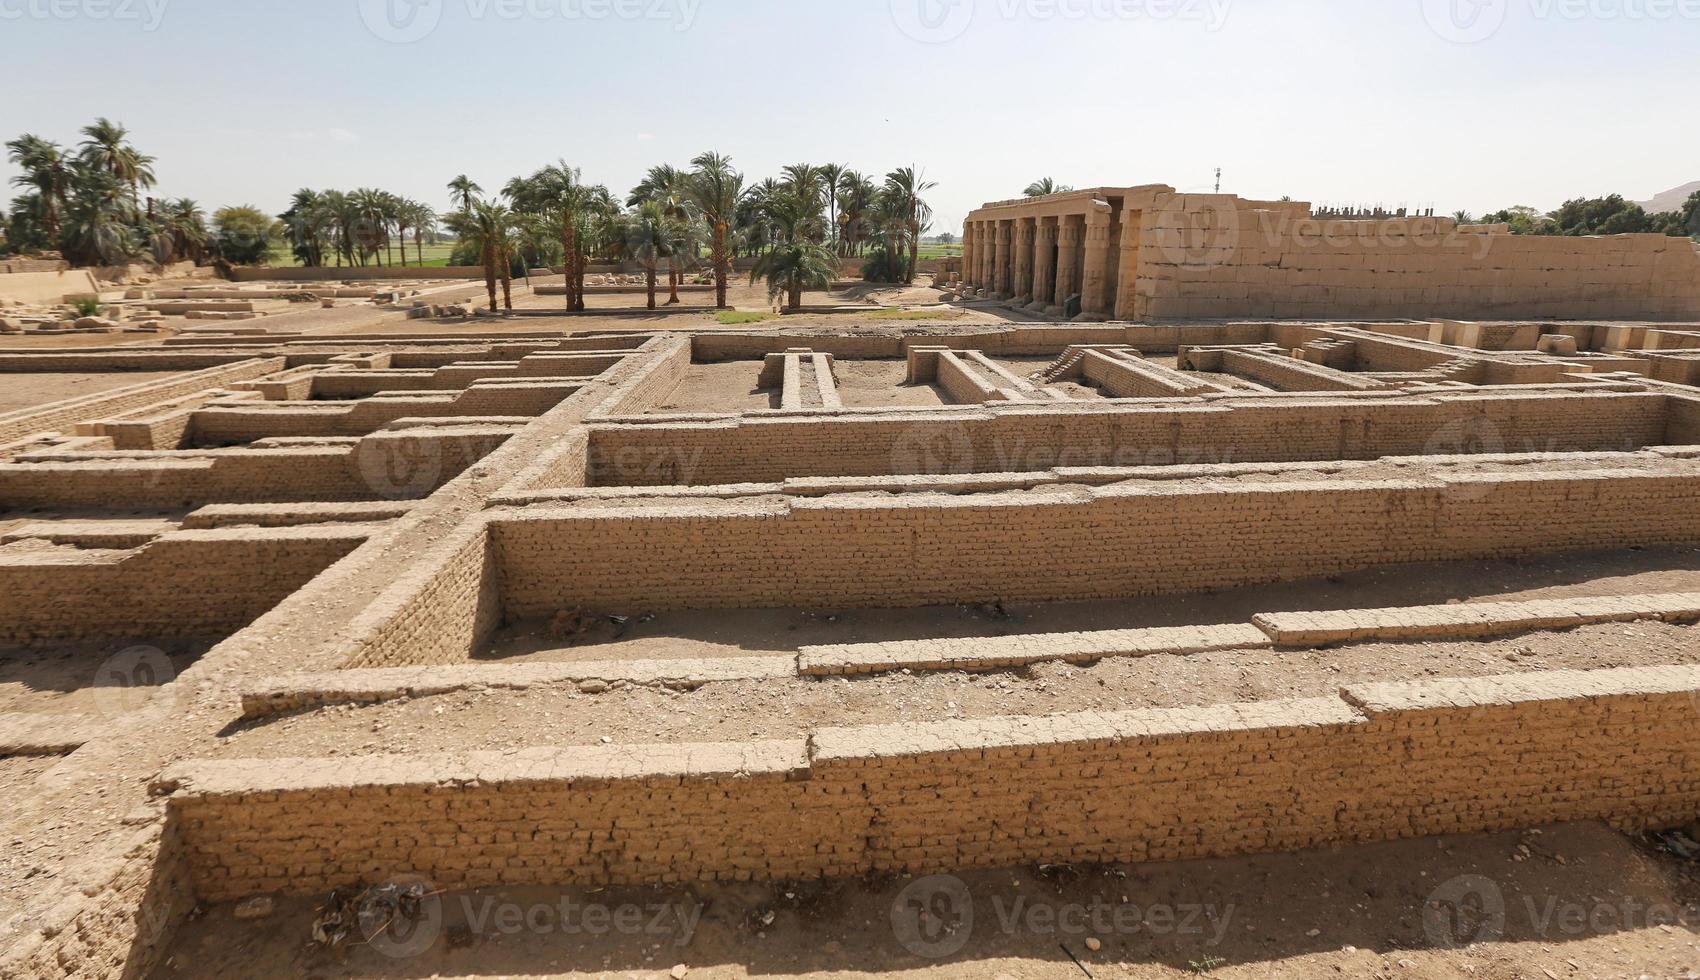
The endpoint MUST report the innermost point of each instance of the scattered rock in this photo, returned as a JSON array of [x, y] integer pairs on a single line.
[[258, 907], [1094, 944]]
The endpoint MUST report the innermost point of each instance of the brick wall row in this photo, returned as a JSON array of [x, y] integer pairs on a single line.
[[62, 416], [402, 465], [1017, 439], [1383, 761], [1065, 544], [183, 584]]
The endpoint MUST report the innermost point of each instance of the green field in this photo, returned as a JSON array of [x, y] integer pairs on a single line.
[[436, 256], [934, 250]]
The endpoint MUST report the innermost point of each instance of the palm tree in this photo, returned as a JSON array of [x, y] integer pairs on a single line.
[[106, 146], [46, 169], [669, 187], [798, 260], [857, 196], [903, 190], [463, 191], [487, 226], [648, 239], [831, 174], [715, 188], [423, 220], [183, 227], [1045, 186], [305, 223], [97, 229]]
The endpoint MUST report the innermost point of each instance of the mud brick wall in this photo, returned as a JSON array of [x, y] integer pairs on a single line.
[[1015, 439], [437, 613], [224, 425], [1061, 545], [709, 347], [405, 465], [1380, 762], [66, 414], [1290, 374], [659, 372], [543, 816], [119, 927], [1682, 427], [1232, 260], [183, 584]]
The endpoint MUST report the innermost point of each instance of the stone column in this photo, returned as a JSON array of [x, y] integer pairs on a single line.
[[1044, 267], [1004, 236], [1026, 231], [1125, 302], [967, 276], [988, 249], [1094, 301], [1070, 232]]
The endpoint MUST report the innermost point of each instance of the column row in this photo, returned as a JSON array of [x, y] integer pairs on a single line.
[[1042, 262]]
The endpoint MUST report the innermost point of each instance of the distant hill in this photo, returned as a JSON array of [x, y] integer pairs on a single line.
[[1671, 200]]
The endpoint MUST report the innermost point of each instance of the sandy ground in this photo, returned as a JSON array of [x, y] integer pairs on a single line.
[[760, 710], [880, 384], [1579, 901], [659, 635], [79, 680], [728, 386], [19, 391]]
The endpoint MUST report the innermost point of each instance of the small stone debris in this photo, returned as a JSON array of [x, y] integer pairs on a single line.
[[259, 907], [679, 972]]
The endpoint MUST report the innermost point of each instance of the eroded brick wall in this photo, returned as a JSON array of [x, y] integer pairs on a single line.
[[1381, 762], [185, 584], [1066, 544], [1018, 439]]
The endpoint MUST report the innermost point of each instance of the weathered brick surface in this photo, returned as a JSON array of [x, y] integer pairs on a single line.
[[993, 652], [1109, 542], [1383, 762], [1472, 620], [183, 584], [1016, 438]]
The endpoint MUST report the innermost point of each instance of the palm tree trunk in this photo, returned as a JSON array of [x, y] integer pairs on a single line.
[[649, 270], [914, 255], [720, 264], [673, 280], [796, 297], [569, 259], [490, 275]]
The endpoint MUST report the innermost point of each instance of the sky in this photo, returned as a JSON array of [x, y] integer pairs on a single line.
[[1450, 104]]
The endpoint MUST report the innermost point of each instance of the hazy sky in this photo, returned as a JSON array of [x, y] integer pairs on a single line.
[[1473, 104]]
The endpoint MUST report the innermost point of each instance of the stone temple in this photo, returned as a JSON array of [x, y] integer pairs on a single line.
[[1149, 252]]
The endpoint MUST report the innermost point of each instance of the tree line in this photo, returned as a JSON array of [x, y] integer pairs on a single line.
[[1611, 215], [798, 226]]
